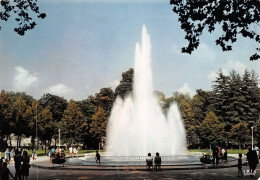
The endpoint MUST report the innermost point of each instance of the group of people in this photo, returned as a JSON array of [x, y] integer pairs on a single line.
[[73, 151], [252, 157], [57, 156], [21, 164], [154, 164], [219, 154]]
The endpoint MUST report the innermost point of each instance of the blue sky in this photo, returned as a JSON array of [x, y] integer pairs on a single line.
[[85, 45]]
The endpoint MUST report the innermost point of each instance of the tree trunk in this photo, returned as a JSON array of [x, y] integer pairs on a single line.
[[45, 145], [10, 141], [32, 141], [17, 143]]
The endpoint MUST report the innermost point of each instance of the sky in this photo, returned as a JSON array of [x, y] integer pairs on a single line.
[[85, 45]]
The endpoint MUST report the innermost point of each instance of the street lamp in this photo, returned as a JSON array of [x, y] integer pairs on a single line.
[[59, 138], [252, 137], [36, 125]]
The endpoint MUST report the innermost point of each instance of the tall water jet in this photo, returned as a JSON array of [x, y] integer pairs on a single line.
[[137, 125]]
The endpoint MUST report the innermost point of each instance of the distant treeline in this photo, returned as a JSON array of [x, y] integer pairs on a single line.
[[221, 116]]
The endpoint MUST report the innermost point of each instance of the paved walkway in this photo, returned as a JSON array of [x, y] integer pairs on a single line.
[[44, 163]]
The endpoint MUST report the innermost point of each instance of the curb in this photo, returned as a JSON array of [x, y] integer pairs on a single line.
[[121, 168]]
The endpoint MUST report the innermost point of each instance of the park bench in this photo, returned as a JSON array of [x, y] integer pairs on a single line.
[[58, 160]]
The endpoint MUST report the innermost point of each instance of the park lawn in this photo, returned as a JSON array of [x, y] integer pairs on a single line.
[[230, 151], [42, 152]]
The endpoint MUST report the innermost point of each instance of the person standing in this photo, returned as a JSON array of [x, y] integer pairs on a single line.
[[239, 165], [7, 155], [97, 157], [26, 165], [157, 162], [6, 172], [33, 154], [252, 159], [17, 165]]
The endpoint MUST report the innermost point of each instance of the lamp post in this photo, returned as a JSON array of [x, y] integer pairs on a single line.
[[59, 138], [36, 125], [252, 137]]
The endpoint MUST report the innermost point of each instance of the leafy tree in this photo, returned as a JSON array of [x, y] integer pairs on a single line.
[[126, 84], [74, 124], [30, 115], [212, 130], [190, 123], [23, 11], [19, 123], [45, 126], [5, 116], [88, 109], [240, 132], [99, 123], [105, 99], [201, 104], [179, 97], [57, 106], [237, 17], [15, 95], [163, 100]]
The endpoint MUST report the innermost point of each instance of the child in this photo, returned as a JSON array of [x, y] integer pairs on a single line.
[[97, 157], [239, 165]]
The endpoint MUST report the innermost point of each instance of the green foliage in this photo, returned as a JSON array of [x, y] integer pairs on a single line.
[[126, 84], [240, 132], [23, 11], [45, 124], [212, 130], [73, 123], [237, 17], [98, 125], [5, 114], [191, 125]]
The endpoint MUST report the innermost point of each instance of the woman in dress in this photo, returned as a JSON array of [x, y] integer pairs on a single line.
[[26, 165]]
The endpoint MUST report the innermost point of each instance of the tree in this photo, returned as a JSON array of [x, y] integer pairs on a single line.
[[126, 84], [23, 11], [99, 124], [251, 94], [164, 101], [57, 106], [74, 124], [105, 99], [45, 126], [5, 116], [212, 130], [190, 123], [19, 123], [237, 17], [30, 115], [240, 132]]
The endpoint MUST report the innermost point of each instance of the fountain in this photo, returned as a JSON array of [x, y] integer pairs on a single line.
[[137, 125]]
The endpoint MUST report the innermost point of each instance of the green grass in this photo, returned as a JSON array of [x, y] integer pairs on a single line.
[[42, 152], [230, 151]]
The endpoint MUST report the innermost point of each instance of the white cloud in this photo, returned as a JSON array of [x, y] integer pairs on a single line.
[[106, 1], [115, 83], [212, 75], [185, 89], [23, 79], [227, 68], [58, 89], [204, 52]]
